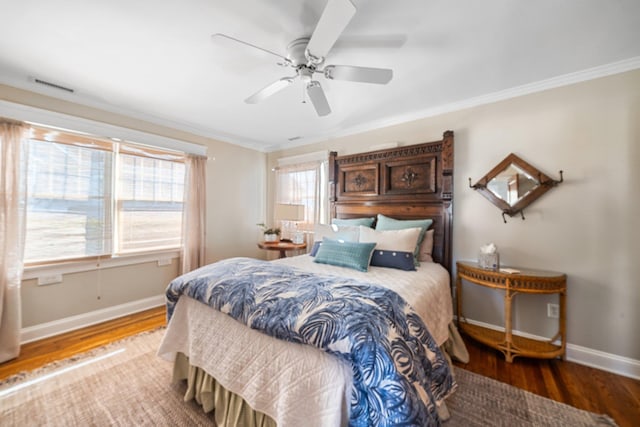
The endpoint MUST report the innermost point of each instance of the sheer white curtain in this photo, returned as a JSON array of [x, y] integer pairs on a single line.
[[194, 214], [305, 184], [12, 227]]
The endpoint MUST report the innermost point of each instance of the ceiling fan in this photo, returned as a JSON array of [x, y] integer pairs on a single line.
[[306, 56]]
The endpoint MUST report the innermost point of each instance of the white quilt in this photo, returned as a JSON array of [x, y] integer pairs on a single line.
[[292, 383]]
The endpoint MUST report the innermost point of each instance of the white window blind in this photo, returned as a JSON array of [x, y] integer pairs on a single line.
[[304, 184], [149, 203], [89, 197], [69, 202]]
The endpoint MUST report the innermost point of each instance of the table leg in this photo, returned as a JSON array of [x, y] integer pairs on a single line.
[[507, 324], [563, 324]]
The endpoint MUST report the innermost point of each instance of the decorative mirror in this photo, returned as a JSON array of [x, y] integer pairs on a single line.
[[513, 185]]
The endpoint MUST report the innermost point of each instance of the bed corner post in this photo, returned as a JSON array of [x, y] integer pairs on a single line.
[[447, 196], [447, 165], [332, 183]]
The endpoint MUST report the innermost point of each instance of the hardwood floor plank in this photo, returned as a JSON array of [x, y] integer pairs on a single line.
[[576, 385], [39, 353]]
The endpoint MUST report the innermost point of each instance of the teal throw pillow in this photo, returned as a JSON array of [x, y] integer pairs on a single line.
[[345, 254]]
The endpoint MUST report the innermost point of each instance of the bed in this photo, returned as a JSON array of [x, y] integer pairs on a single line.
[[252, 378]]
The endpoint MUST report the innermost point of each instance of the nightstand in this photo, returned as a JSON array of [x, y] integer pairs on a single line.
[[283, 247], [527, 281]]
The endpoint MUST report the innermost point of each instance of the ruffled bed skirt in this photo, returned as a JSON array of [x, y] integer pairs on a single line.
[[230, 410]]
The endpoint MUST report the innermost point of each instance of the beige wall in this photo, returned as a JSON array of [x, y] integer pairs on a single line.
[[235, 203], [88, 291], [587, 227]]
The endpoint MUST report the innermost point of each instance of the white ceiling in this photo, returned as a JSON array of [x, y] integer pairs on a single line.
[[156, 60]]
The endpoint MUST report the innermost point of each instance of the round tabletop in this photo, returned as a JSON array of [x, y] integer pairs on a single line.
[[281, 246]]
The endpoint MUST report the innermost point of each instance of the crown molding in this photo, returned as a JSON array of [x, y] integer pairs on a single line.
[[514, 92]]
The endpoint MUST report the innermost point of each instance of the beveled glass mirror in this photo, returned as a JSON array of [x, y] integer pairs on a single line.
[[513, 185]]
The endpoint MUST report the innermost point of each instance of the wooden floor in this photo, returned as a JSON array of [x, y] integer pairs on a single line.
[[39, 353], [567, 382]]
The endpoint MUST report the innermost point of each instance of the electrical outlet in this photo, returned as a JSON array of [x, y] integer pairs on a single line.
[[164, 261], [49, 279], [553, 311]]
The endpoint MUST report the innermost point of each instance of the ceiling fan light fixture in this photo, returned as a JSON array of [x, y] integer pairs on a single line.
[[305, 74]]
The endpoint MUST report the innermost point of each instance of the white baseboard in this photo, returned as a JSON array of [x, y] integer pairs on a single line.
[[44, 330], [609, 362], [606, 361]]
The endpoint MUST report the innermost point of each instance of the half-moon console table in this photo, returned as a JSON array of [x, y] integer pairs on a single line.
[[526, 281]]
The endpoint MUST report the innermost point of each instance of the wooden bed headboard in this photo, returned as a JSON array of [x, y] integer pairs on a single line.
[[411, 182]]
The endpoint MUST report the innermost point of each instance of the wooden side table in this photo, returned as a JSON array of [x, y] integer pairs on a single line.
[[283, 247], [527, 281]]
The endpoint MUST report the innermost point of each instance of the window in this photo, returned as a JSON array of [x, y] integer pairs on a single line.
[[305, 184], [88, 197], [149, 203]]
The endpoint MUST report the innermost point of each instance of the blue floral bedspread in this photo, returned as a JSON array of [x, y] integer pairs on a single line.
[[398, 370]]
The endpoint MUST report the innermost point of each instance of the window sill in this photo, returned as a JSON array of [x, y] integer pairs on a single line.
[[162, 258]]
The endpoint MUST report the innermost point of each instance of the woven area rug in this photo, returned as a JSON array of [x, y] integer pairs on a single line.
[[126, 384]]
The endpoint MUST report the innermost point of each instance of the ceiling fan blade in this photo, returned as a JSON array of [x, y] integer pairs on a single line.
[[358, 74], [371, 41], [269, 90], [224, 36], [319, 101], [334, 19]]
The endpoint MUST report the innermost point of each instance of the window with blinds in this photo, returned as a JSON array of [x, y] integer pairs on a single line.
[[89, 197], [304, 184], [149, 203]]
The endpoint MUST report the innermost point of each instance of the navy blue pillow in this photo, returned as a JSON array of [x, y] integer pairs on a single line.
[[393, 259], [314, 248]]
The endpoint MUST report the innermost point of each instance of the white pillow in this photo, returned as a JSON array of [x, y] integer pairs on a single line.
[[426, 248], [404, 240], [334, 232]]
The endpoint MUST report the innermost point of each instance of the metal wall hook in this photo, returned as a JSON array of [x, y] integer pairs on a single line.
[[550, 182], [478, 184], [504, 218]]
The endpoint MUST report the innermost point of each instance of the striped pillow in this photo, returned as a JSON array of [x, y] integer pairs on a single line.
[[345, 254]]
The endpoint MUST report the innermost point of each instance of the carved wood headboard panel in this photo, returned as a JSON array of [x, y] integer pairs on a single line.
[[411, 182]]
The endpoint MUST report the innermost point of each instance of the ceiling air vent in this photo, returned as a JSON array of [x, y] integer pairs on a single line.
[[53, 85]]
